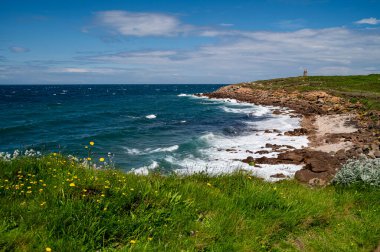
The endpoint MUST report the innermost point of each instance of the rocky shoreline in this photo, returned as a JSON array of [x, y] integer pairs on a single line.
[[337, 129]]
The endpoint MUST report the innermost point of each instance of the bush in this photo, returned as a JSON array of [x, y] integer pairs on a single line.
[[362, 171]]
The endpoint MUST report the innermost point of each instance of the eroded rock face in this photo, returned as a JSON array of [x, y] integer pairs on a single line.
[[317, 164], [319, 167]]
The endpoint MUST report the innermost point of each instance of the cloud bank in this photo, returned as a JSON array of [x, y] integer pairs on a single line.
[[370, 21], [141, 24], [232, 56]]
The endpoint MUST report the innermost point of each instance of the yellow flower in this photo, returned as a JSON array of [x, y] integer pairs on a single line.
[[43, 203], [54, 154], [132, 241], [41, 190], [72, 184], [86, 147], [150, 238], [29, 192], [92, 143], [101, 159], [209, 184], [48, 249], [89, 159]]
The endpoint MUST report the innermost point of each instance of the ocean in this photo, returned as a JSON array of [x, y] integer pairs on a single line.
[[144, 126]]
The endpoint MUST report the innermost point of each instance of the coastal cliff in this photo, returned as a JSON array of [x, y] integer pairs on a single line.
[[334, 113]]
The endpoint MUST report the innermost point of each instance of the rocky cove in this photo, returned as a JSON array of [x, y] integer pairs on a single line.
[[337, 129]]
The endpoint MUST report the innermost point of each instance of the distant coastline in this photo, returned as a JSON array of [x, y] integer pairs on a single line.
[[338, 127]]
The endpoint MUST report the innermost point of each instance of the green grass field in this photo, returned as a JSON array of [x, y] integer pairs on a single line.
[[53, 203], [364, 88]]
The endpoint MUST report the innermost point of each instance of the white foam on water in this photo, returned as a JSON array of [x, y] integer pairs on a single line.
[[151, 116], [167, 149], [217, 160], [134, 151], [279, 122], [252, 110], [224, 155], [182, 95], [145, 169]]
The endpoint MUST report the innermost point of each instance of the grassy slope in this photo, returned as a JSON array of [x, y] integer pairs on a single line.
[[365, 88], [109, 210]]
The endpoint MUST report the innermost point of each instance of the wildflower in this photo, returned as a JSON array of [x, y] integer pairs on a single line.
[[209, 184], [89, 159], [150, 238], [44, 185], [86, 147], [43, 203], [54, 154], [29, 191], [101, 159], [48, 249], [92, 143], [106, 187], [102, 195], [105, 209], [41, 190], [84, 190], [72, 184], [132, 241]]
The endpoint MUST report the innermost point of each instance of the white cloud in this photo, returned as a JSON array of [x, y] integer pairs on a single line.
[[74, 70], [89, 70], [18, 49], [257, 55], [371, 21], [141, 24], [235, 56], [226, 24]]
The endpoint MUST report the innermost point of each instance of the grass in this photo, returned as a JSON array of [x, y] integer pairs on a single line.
[[54, 202], [363, 88]]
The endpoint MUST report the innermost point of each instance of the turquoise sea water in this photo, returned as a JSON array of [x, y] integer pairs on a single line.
[[141, 125]]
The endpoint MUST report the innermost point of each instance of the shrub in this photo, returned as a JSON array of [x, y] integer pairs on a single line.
[[361, 171]]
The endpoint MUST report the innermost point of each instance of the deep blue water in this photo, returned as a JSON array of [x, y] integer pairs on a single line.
[[144, 126], [65, 118]]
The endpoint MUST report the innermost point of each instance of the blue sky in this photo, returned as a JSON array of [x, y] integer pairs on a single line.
[[89, 41]]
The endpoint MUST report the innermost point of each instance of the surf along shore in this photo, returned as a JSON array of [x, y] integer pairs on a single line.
[[339, 115]]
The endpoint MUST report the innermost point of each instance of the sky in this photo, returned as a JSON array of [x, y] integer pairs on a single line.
[[185, 42]]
